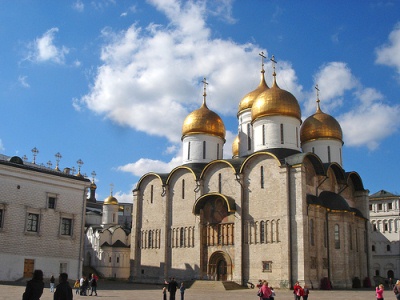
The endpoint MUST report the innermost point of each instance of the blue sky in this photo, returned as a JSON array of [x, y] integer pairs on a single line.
[[110, 82]]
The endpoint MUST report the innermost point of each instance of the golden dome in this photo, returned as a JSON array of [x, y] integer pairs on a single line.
[[235, 147], [320, 125], [275, 101], [110, 200], [248, 100], [203, 120]]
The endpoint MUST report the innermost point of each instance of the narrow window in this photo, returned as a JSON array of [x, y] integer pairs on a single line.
[[117, 260], [312, 232], [51, 203], [262, 176], [182, 237], [282, 138], [183, 188], [204, 149], [385, 227], [379, 206], [1, 217], [248, 137], [262, 232], [370, 207], [267, 266], [337, 237], [329, 153], [350, 237], [374, 227], [356, 240], [217, 151], [220, 183], [66, 226], [373, 248], [390, 206], [109, 259], [188, 154], [150, 239], [151, 193], [263, 134], [313, 150], [297, 137], [33, 222], [388, 248]]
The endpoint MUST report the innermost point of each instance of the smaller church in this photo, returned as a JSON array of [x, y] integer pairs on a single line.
[[107, 236], [283, 208]]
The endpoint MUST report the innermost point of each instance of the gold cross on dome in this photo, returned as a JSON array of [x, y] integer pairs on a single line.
[[262, 59]]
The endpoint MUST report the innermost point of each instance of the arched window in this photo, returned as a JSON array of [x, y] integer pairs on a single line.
[[388, 248], [150, 239], [204, 149], [182, 237], [373, 248], [337, 237], [282, 137], [188, 154], [350, 237], [329, 153]]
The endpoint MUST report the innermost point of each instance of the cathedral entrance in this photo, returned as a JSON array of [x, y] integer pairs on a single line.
[[220, 266]]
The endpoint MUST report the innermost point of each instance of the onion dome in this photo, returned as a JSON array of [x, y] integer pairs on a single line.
[[235, 147], [275, 101], [93, 186], [320, 126], [203, 121], [111, 200], [248, 100]]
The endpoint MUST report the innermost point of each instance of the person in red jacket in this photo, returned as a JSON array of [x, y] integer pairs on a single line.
[[297, 291], [265, 291]]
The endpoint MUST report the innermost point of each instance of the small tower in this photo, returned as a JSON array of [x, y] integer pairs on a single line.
[[245, 130], [276, 119], [321, 134], [203, 135], [110, 211]]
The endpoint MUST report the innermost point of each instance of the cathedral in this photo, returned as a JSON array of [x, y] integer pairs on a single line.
[[283, 208]]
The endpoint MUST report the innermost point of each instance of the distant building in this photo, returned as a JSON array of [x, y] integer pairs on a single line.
[[107, 236], [384, 211], [41, 219], [282, 209]]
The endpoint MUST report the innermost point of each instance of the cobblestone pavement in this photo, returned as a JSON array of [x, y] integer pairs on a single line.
[[121, 290]]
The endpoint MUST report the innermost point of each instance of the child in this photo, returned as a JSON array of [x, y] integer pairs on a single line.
[[164, 292], [379, 292], [306, 291], [77, 286], [272, 297]]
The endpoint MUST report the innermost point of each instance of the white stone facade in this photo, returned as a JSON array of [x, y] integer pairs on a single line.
[[41, 220], [385, 234]]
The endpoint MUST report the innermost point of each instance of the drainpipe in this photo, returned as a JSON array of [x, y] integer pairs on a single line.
[[327, 244], [289, 214]]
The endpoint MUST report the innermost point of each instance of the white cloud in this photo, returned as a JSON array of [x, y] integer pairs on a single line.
[[2, 146], [43, 49], [150, 78], [145, 165], [78, 6], [23, 82], [389, 54]]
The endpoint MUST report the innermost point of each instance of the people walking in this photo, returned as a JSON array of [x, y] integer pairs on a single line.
[[93, 284], [396, 289], [164, 293], [172, 287], [182, 290], [379, 292], [77, 286], [306, 292], [52, 282], [265, 291], [297, 291], [63, 289], [34, 287]]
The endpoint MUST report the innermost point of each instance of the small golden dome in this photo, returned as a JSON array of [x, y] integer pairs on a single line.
[[203, 120], [235, 147], [110, 200], [320, 125], [248, 100], [275, 101], [93, 186]]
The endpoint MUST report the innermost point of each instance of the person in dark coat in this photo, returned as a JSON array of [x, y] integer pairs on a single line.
[[63, 289], [34, 287], [172, 287]]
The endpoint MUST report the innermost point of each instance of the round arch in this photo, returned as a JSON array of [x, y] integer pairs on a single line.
[[220, 266]]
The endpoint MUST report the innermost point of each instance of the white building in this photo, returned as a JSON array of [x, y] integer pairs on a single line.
[[107, 243], [282, 209], [41, 219], [384, 210]]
